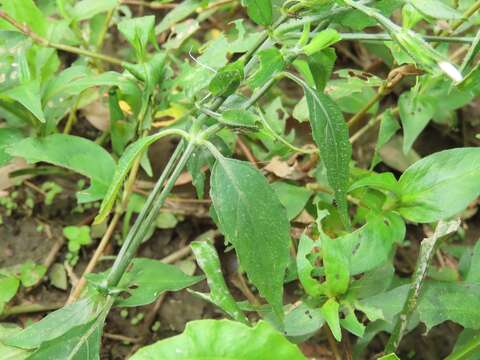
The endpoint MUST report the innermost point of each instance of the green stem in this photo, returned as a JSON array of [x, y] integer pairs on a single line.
[[466, 15], [46, 43], [381, 37], [427, 249], [149, 212]]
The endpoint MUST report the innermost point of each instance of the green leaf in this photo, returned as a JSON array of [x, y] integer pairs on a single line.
[[260, 11], [148, 278], [473, 274], [388, 128], [383, 181], [209, 262], [391, 356], [11, 352], [351, 324], [293, 198], [322, 40], [305, 267], [124, 165], [8, 289], [31, 273], [302, 322], [436, 9], [25, 12], [8, 136], [180, 12], [86, 9], [121, 130], [138, 32], [227, 79], [330, 132], [239, 118], [415, 113], [271, 63], [27, 94], [254, 221], [442, 301], [72, 152], [222, 339], [336, 266], [55, 324], [329, 311], [370, 246], [390, 303], [75, 79], [440, 185], [79, 343], [467, 346]]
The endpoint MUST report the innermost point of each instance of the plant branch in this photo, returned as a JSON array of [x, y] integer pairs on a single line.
[[381, 37], [427, 249], [40, 40], [466, 15], [146, 218]]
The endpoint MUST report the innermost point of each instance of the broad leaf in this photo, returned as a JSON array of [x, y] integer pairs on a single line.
[[440, 185], [260, 11], [222, 339], [239, 118], [458, 302], [329, 311], [8, 136], [330, 132], [87, 9], [25, 12], [436, 9], [391, 356], [302, 322], [415, 113], [180, 12], [227, 79], [305, 267], [27, 94], [254, 221], [370, 246], [72, 152], [55, 324], [336, 266], [208, 260], [149, 278], [80, 343], [138, 31], [322, 40], [11, 352], [293, 198], [271, 63], [388, 128], [384, 181]]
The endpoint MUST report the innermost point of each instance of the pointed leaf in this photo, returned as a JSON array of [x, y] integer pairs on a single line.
[[271, 63], [254, 221], [72, 152], [28, 94], [260, 11], [329, 311], [330, 132], [208, 260], [55, 324], [440, 185], [222, 339], [149, 278]]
